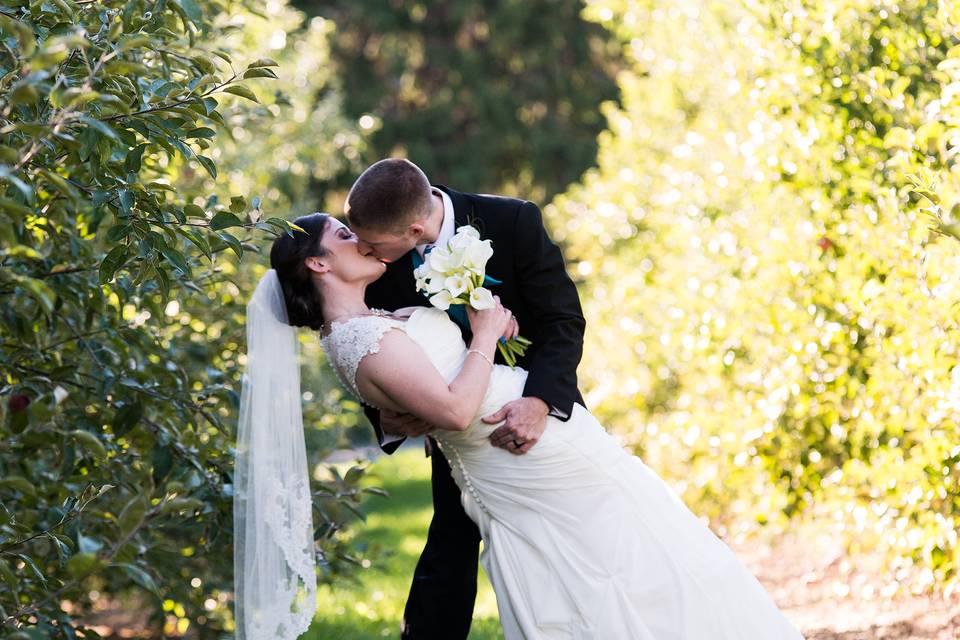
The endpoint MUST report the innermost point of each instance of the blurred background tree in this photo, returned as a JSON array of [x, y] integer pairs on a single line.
[[486, 97]]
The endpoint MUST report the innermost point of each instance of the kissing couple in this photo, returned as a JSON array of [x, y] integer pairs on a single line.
[[580, 538]]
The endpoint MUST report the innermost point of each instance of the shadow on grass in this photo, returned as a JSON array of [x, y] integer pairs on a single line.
[[371, 606]]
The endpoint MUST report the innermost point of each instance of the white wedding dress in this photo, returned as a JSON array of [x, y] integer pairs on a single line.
[[581, 539]]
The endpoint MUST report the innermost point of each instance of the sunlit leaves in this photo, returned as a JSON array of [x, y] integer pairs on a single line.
[[758, 237]]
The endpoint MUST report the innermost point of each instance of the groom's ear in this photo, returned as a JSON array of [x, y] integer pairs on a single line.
[[416, 231]]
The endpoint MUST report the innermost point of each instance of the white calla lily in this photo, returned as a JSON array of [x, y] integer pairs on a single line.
[[476, 256], [481, 298], [441, 300], [465, 237], [468, 231], [435, 283], [457, 284], [440, 261]]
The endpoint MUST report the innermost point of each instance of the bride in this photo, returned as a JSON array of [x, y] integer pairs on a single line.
[[581, 539]]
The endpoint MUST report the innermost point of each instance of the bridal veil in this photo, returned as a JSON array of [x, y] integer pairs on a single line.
[[274, 558]]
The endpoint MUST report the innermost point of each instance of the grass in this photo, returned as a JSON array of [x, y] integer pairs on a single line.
[[396, 529]]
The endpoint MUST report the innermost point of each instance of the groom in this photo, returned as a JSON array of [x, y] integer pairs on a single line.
[[398, 216]]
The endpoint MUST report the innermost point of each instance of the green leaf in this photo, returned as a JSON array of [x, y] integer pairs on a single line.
[[262, 62], [126, 201], [8, 174], [68, 7], [209, 165], [242, 91], [225, 220], [23, 34], [16, 210], [82, 564], [60, 544], [141, 577], [259, 73], [8, 154], [127, 417], [194, 211], [176, 258], [178, 505], [162, 460], [40, 290], [232, 242], [134, 41], [353, 475], [134, 160], [112, 262], [24, 93], [19, 483], [192, 10], [7, 575], [27, 560], [205, 64], [238, 204], [200, 132], [90, 442], [118, 232], [22, 251], [132, 514], [61, 184]]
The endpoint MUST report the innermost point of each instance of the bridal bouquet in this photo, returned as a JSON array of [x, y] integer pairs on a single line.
[[456, 274]]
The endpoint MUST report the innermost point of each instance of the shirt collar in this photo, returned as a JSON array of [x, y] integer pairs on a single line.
[[446, 227]]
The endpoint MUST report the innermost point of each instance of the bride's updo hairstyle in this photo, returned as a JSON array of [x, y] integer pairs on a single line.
[[287, 256]]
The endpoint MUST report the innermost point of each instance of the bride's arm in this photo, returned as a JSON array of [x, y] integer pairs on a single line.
[[401, 377]]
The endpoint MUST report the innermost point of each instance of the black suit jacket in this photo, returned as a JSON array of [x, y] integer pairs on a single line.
[[535, 287]]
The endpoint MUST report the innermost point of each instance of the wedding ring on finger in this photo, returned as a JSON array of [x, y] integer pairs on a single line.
[[518, 444]]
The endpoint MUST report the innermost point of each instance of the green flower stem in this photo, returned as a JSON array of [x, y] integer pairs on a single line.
[[512, 349]]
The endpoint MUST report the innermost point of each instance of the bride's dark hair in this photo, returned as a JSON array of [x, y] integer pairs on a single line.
[[287, 256]]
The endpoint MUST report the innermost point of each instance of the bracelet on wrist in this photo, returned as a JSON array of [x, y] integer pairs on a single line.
[[481, 354]]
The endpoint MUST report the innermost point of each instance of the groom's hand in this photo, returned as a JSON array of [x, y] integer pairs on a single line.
[[397, 423], [523, 422]]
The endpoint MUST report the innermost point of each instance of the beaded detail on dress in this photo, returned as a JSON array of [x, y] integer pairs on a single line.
[[352, 339]]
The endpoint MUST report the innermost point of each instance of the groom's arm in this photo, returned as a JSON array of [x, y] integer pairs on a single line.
[[551, 296], [388, 443]]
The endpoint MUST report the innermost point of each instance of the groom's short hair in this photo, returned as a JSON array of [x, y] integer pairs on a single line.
[[391, 194]]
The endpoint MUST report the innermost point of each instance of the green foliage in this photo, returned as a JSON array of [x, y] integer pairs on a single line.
[[752, 237], [497, 97], [121, 328]]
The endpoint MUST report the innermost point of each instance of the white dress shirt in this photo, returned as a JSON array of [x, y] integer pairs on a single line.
[[446, 227]]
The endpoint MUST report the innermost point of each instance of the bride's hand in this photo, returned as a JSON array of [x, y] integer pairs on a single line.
[[491, 323]]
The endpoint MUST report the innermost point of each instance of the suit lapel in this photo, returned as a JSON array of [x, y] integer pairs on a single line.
[[463, 211]]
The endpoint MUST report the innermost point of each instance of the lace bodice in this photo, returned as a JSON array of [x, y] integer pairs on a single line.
[[349, 341], [439, 337]]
